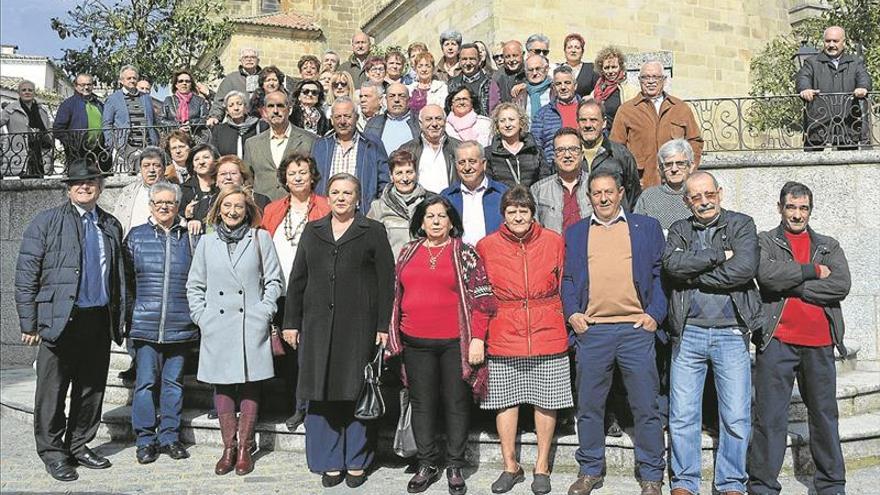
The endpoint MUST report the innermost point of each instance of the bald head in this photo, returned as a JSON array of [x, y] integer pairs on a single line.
[[397, 99], [512, 51], [833, 41]]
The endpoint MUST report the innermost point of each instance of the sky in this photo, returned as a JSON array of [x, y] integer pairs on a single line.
[[26, 23]]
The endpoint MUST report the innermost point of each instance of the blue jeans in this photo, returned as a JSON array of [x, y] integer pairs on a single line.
[[633, 350], [159, 379], [728, 352]]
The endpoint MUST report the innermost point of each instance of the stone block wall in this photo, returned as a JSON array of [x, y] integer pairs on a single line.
[[276, 47]]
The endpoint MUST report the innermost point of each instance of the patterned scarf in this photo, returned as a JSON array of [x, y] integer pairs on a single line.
[[605, 88], [311, 117], [474, 294], [464, 125]]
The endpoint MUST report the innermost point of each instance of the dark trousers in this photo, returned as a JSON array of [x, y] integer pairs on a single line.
[[335, 440], [633, 350], [159, 388], [78, 361], [775, 370], [433, 368], [287, 366]]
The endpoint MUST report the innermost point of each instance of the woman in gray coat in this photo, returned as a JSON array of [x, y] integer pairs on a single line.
[[233, 284]]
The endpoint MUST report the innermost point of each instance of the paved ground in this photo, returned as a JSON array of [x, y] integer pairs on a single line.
[[276, 472]]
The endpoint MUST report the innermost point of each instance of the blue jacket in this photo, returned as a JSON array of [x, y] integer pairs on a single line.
[[491, 202], [156, 268], [646, 238], [71, 113], [115, 116], [547, 121], [372, 166]]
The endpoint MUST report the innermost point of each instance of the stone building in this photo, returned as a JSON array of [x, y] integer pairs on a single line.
[[707, 44]]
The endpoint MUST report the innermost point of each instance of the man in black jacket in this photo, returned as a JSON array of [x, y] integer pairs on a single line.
[[834, 85], [803, 277], [70, 293], [710, 261]]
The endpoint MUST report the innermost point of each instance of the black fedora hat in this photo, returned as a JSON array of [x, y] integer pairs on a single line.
[[82, 169]]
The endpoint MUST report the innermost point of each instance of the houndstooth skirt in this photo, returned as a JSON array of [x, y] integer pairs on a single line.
[[542, 381]]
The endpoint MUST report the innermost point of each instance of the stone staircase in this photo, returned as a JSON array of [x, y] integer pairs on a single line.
[[858, 398]]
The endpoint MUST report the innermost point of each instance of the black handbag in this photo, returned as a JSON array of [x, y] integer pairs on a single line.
[[370, 404]]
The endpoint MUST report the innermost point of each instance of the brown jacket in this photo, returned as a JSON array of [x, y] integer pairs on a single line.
[[638, 126]]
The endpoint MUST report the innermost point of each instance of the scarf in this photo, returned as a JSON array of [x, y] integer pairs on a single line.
[[605, 88], [464, 125], [183, 106], [474, 294], [33, 114], [245, 126], [311, 117], [535, 91], [403, 205], [232, 236]]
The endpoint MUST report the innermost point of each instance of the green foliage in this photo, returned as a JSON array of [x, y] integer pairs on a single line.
[[773, 70], [157, 36]]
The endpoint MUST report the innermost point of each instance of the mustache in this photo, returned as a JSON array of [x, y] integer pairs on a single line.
[[705, 208]]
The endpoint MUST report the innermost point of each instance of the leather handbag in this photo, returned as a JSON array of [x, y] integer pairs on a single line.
[[274, 334], [370, 405], [404, 438]]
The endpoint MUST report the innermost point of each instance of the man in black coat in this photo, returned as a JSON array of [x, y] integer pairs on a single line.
[[69, 296], [833, 119]]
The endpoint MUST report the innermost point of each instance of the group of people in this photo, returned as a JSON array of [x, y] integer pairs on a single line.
[[491, 244]]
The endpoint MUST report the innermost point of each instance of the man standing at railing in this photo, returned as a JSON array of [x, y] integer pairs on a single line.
[[28, 149], [82, 111], [825, 82], [128, 120]]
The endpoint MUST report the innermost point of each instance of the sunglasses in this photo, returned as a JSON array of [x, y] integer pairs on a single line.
[[310, 92], [188, 81], [540, 52], [340, 84]]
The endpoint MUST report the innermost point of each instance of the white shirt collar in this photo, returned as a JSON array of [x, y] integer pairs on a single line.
[[621, 216], [480, 188]]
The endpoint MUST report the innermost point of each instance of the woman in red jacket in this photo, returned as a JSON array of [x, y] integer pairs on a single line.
[[527, 340], [285, 220]]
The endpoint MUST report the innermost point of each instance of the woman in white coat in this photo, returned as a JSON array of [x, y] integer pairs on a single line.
[[233, 284]]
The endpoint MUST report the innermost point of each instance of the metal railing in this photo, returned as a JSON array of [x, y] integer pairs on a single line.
[[46, 153], [787, 122]]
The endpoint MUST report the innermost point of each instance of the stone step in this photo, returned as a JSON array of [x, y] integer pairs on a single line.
[[860, 434]]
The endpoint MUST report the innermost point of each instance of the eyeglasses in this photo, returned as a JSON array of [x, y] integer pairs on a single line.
[[161, 204], [461, 99], [538, 51], [310, 92], [651, 78], [498, 58], [709, 195], [377, 69], [187, 81], [340, 84], [680, 164], [568, 150]]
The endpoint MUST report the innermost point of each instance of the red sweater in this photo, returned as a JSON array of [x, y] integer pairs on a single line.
[[429, 306], [802, 323], [569, 113]]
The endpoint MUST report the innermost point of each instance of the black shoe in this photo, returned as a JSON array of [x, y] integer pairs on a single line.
[[212, 414], [455, 480], [353, 481], [174, 450], [507, 480], [62, 471], [330, 480], [541, 484], [89, 459], [614, 430], [424, 478], [147, 454], [128, 375], [295, 421]]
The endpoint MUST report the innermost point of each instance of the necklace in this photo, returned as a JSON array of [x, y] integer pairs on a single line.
[[291, 233], [432, 258]]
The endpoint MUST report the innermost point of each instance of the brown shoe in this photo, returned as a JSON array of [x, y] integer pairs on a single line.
[[651, 487], [585, 484], [680, 491], [228, 430], [245, 463]]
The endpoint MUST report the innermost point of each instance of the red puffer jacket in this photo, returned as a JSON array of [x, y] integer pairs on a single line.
[[525, 276]]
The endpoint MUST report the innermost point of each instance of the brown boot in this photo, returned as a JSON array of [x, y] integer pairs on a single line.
[[228, 429], [245, 464]]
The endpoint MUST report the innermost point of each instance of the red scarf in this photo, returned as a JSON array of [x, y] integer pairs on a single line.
[[605, 88], [183, 106]]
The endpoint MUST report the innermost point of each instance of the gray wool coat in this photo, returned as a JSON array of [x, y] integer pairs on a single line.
[[232, 310]]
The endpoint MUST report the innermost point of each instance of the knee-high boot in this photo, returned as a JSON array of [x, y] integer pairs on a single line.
[[246, 424], [228, 430]]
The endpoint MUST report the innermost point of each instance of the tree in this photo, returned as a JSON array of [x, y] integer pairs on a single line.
[[156, 36], [773, 70]]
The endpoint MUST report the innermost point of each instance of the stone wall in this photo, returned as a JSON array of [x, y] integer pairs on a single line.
[[278, 47], [844, 185]]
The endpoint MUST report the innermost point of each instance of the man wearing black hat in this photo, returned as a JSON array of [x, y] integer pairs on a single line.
[[70, 296]]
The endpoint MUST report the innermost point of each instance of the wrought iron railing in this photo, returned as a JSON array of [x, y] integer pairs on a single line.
[[773, 123], [47, 153]]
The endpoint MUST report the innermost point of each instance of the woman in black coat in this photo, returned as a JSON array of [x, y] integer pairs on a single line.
[[307, 108], [514, 157], [339, 300], [229, 137]]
